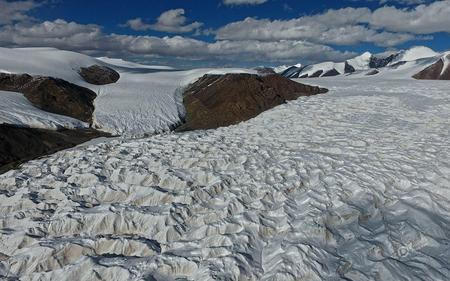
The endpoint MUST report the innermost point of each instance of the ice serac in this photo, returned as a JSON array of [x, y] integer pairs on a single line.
[[222, 100], [52, 94], [99, 74]]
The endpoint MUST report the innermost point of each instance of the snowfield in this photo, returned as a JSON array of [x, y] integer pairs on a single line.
[[349, 185]]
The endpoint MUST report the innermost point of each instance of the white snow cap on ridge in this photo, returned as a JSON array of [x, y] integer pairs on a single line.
[[415, 53], [129, 64], [361, 62]]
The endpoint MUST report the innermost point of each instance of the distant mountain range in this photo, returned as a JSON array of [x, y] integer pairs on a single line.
[[417, 62]]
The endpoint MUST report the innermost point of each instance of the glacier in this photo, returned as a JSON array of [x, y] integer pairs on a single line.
[[349, 185]]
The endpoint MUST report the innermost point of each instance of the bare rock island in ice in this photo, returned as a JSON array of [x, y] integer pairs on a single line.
[[222, 100], [99, 75]]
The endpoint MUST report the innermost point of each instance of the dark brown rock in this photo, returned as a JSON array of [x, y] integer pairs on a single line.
[[52, 95], [434, 72], [18, 144], [222, 100], [99, 75]]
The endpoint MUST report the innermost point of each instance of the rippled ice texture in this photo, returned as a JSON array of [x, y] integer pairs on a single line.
[[350, 185]]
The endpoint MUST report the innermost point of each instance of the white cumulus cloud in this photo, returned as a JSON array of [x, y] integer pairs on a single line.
[[15, 11], [171, 21]]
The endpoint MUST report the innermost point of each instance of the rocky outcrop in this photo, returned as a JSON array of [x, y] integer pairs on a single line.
[[222, 100], [316, 74], [372, 72], [293, 72], [381, 62], [99, 75], [332, 72], [348, 68], [52, 94], [19, 144], [435, 71]]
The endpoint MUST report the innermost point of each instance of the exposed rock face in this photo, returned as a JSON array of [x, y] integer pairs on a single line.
[[332, 72], [434, 72], [381, 62], [222, 100], [22, 144], [99, 75], [316, 74], [348, 68], [52, 95], [293, 72]]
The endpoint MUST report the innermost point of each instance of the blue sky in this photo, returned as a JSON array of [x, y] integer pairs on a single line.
[[191, 33]]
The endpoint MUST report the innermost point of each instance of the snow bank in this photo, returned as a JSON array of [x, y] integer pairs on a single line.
[[16, 109], [350, 185]]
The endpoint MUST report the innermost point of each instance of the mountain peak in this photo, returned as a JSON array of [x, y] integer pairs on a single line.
[[415, 53]]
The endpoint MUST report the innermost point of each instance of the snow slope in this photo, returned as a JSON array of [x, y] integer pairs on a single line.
[[45, 62], [141, 102], [324, 66], [414, 53], [361, 62], [349, 185], [16, 109], [402, 71], [128, 64], [281, 68]]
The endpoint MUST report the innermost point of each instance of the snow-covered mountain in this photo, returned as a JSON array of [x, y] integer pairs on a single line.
[[413, 54], [369, 64], [145, 100]]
